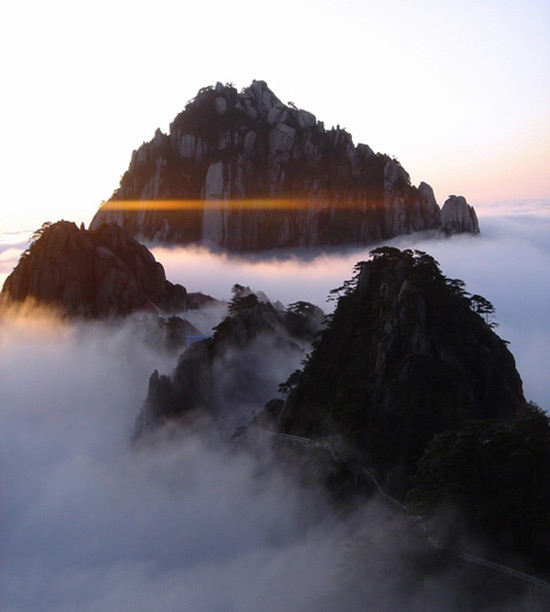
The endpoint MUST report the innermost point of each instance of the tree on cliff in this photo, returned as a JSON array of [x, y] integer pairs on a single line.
[[403, 357]]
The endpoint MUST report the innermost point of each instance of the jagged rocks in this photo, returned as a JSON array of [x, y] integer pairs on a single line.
[[252, 173], [97, 273]]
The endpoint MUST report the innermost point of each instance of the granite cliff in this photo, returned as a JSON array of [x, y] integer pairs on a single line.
[[91, 273], [245, 172]]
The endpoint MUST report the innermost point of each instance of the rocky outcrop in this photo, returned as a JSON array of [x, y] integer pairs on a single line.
[[230, 375], [246, 172], [96, 273], [458, 217], [406, 355]]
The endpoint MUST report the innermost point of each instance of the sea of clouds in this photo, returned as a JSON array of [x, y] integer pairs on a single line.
[[90, 523], [189, 522]]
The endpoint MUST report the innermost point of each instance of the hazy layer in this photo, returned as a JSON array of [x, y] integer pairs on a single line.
[[87, 524]]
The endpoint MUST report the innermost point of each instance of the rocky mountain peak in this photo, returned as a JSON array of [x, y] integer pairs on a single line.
[[263, 174], [239, 367]]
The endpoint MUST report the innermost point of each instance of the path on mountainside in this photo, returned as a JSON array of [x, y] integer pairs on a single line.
[[512, 574]]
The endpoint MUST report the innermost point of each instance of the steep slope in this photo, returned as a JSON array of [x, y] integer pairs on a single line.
[[96, 273], [406, 355], [246, 172]]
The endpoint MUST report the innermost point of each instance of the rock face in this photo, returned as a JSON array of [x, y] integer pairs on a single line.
[[97, 273], [236, 371], [458, 217], [405, 356], [246, 172]]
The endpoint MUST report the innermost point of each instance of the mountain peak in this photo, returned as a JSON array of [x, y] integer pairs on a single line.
[[90, 273], [262, 175], [406, 355]]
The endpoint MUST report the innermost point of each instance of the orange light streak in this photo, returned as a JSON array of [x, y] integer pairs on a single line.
[[236, 204]]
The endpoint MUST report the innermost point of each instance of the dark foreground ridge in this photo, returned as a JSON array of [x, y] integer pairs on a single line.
[[410, 380], [91, 273], [407, 354], [246, 172]]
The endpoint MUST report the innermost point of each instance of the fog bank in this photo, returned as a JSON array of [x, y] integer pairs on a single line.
[[89, 523]]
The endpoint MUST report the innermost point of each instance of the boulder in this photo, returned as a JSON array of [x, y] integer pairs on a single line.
[[458, 217]]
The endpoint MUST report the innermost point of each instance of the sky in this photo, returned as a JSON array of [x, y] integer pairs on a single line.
[[459, 92]]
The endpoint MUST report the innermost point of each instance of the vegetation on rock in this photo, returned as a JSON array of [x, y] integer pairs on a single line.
[[409, 379], [405, 356]]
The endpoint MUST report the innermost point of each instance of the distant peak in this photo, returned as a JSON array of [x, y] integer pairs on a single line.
[[248, 145]]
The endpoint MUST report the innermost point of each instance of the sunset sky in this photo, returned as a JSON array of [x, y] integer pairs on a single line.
[[459, 92]]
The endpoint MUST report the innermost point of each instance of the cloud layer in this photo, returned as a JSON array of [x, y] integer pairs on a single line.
[[88, 523]]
